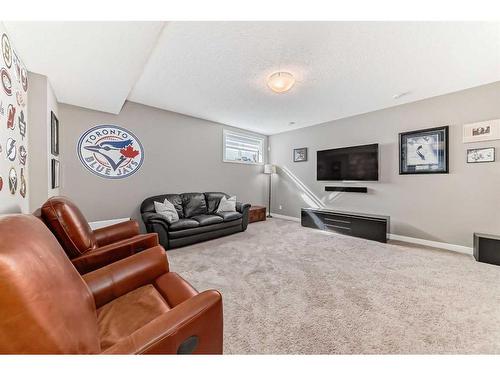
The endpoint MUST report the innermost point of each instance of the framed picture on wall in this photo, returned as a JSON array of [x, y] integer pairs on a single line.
[[300, 154], [54, 134], [55, 171], [424, 151], [481, 155], [481, 131]]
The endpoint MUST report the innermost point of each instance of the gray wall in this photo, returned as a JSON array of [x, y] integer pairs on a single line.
[[182, 154], [42, 103], [445, 208], [37, 96]]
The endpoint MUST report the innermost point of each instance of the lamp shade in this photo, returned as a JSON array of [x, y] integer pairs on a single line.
[[269, 168]]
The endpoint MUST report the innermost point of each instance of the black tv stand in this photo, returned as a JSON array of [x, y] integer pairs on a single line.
[[370, 227]]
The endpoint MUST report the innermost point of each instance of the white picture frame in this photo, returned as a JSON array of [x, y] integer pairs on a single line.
[[481, 131], [481, 155]]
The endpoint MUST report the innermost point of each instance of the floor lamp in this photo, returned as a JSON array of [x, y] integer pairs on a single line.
[[269, 169]]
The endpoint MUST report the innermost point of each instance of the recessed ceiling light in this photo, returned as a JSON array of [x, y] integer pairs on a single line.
[[397, 96], [291, 123], [281, 81]]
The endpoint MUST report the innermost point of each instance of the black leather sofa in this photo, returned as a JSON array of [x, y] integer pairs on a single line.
[[198, 220]]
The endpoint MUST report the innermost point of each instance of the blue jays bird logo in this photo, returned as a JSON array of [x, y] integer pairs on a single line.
[[110, 151]]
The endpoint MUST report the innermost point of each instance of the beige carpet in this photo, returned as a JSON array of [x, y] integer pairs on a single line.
[[288, 289]]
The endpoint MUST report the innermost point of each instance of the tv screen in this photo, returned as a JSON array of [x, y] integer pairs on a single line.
[[348, 163]]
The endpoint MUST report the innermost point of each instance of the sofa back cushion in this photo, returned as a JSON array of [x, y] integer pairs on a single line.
[[69, 226], [45, 306], [149, 204], [213, 200], [194, 204], [167, 210]]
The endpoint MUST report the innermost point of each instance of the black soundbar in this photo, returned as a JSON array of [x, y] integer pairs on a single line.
[[347, 189]]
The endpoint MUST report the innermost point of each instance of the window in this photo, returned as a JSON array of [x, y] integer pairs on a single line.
[[243, 148]]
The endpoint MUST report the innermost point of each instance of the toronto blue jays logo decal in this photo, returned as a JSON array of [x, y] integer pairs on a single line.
[[110, 151]]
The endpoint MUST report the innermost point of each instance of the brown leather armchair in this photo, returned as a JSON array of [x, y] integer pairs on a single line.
[[91, 249], [133, 306]]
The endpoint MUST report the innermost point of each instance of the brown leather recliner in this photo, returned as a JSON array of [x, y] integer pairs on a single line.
[[91, 249], [133, 306]]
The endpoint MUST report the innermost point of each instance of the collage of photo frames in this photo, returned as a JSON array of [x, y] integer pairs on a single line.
[[13, 123], [425, 151]]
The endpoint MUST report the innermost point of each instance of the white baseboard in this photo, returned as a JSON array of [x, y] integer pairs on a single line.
[[439, 245], [104, 223], [397, 237], [292, 218]]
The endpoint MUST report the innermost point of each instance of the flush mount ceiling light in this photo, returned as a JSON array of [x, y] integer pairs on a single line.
[[280, 81]]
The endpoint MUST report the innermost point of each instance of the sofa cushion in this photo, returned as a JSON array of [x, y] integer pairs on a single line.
[[213, 200], [207, 219], [174, 289], [69, 226], [175, 199], [206, 229], [183, 224], [126, 314], [167, 209], [194, 204], [227, 205], [230, 216]]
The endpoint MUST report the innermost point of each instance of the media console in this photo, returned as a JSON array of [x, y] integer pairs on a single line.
[[371, 227]]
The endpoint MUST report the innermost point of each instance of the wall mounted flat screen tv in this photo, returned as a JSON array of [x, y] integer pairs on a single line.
[[358, 163]]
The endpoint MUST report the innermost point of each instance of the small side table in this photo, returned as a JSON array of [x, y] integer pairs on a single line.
[[257, 213], [487, 248]]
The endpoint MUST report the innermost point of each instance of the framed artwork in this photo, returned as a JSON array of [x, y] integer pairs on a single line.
[[54, 134], [55, 173], [481, 155], [424, 151], [481, 131], [300, 154]]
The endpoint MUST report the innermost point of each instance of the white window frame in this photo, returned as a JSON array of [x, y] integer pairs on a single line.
[[261, 139]]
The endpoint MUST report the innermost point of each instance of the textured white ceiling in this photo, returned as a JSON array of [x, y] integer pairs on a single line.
[[218, 70], [89, 64]]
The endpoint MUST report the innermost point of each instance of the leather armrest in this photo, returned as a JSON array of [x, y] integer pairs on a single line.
[[116, 232], [101, 257], [156, 223], [116, 279], [244, 209], [105, 255], [154, 217], [241, 207], [199, 316]]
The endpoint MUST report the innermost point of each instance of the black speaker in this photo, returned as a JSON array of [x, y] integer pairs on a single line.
[[347, 189], [487, 248]]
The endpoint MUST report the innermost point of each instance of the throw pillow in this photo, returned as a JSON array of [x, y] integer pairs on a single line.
[[168, 210], [227, 205]]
